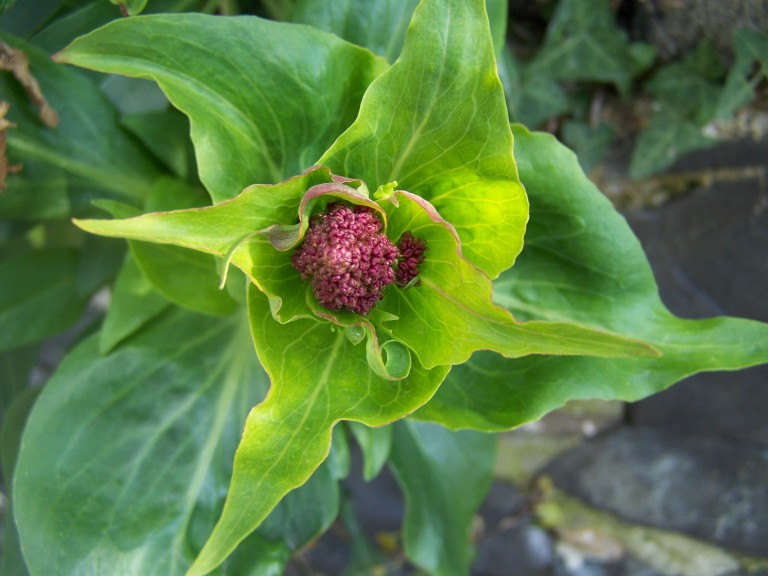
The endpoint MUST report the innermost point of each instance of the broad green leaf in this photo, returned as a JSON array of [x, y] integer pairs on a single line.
[[15, 367], [169, 193], [38, 296], [375, 24], [166, 134], [449, 314], [133, 95], [126, 457], [436, 122], [380, 25], [185, 277], [99, 261], [14, 419], [133, 303], [668, 137], [41, 193], [497, 15], [750, 46], [261, 123], [583, 264], [340, 458], [509, 74], [22, 21], [318, 378], [445, 476], [81, 20], [583, 42], [87, 143], [540, 98], [12, 561]]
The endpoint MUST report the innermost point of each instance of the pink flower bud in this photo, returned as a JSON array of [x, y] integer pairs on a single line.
[[347, 258]]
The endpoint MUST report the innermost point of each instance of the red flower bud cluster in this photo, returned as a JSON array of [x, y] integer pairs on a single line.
[[347, 258], [411, 256]]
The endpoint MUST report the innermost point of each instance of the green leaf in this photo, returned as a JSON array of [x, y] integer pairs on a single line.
[[583, 264], [99, 261], [300, 517], [39, 194], [38, 296], [81, 20], [22, 21], [166, 134], [230, 230], [583, 42], [133, 303], [436, 122], [454, 296], [375, 24], [15, 367], [12, 561], [666, 139], [690, 88], [540, 98], [380, 25], [185, 277], [590, 144], [318, 378], [510, 76], [497, 16], [87, 143], [449, 314], [445, 476], [262, 123], [750, 46], [375, 444], [5, 4], [126, 457]]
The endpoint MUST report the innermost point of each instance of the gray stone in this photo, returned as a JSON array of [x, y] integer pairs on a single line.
[[676, 26], [709, 252], [626, 567], [520, 550], [707, 487]]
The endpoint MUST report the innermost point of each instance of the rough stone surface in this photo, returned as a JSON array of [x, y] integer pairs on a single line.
[[709, 253], [707, 487], [626, 567], [509, 542], [521, 550], [676, 26]]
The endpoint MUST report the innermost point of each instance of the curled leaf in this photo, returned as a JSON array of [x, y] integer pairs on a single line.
[[391, 360]]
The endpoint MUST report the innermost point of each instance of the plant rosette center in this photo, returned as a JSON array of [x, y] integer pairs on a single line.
[[388, 269], [350, 252], [350, 261]]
